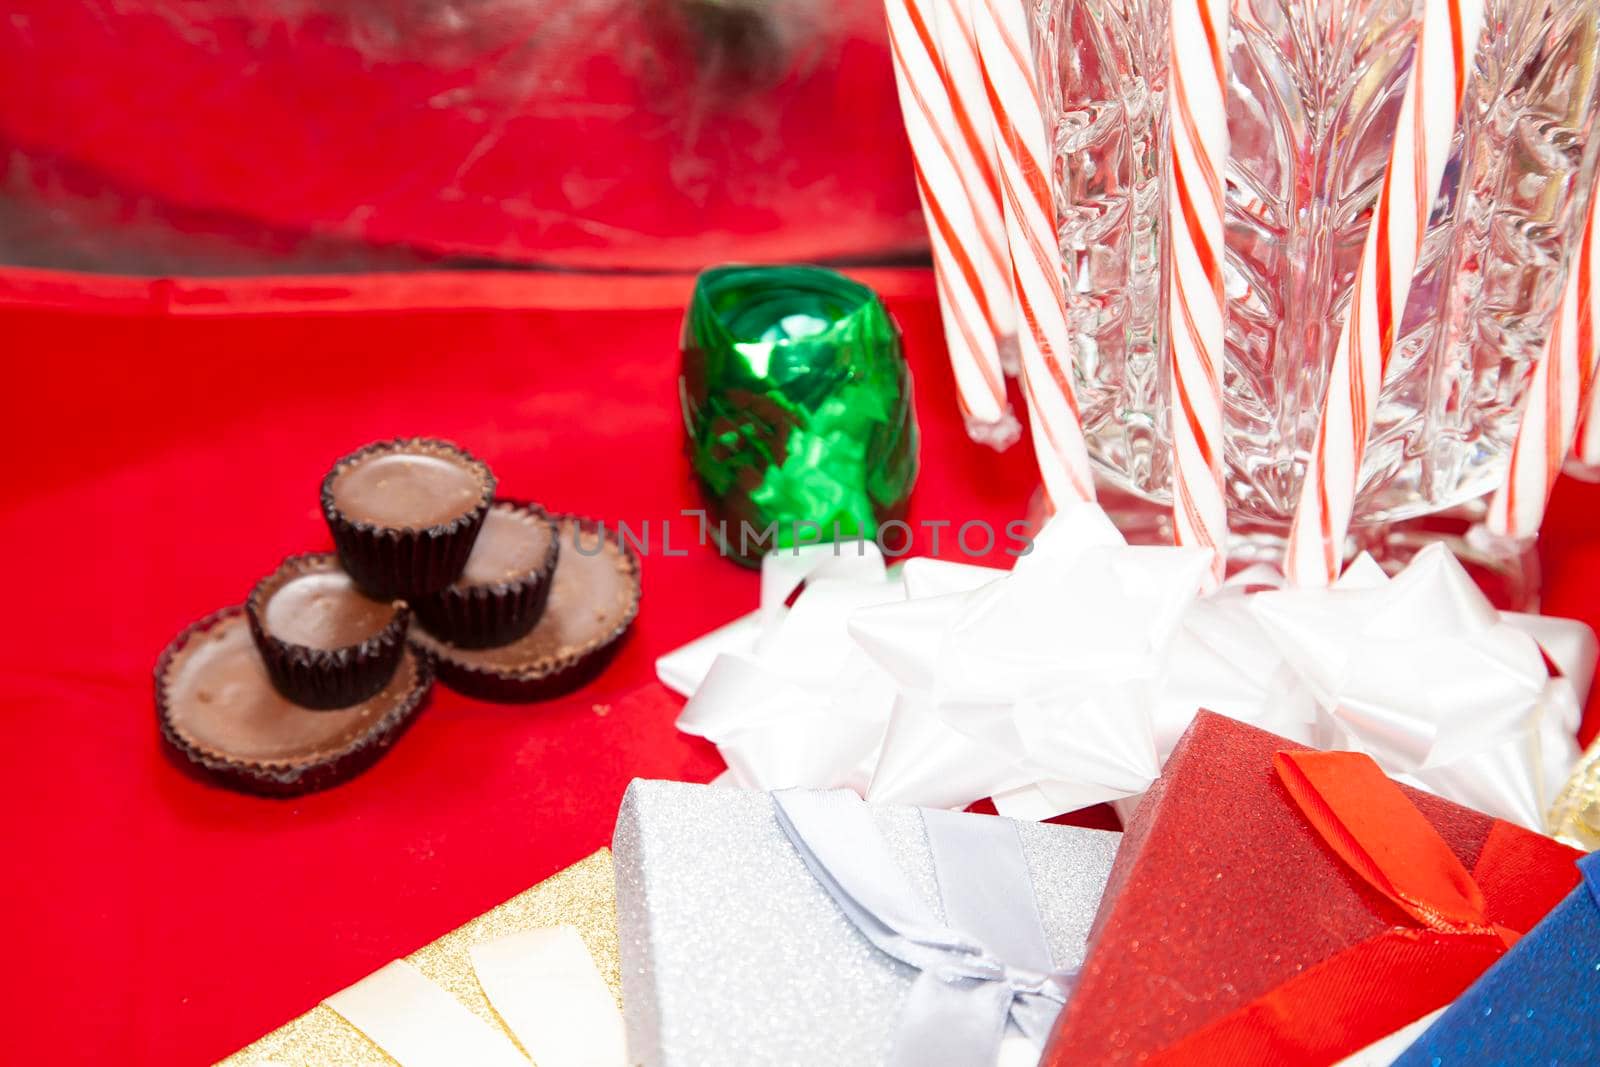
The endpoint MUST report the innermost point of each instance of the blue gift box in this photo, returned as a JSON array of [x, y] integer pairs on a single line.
[[1540, 1004]]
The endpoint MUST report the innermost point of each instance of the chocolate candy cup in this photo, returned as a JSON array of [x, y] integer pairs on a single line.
[[594, 598], [404, 514], [325, 643], [503, 590], [218, 709]]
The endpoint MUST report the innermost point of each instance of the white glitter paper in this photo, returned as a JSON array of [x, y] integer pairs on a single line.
[[733, 955]]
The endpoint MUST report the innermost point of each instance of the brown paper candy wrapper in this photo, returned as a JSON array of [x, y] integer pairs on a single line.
[[583, 895], [392, 563], [289, 775], [507, 675], [484, 616], [324, 678]]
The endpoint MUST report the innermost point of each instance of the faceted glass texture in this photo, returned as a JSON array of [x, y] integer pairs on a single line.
[[1314, 93]]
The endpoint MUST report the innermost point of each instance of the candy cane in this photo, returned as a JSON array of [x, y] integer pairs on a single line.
[[976, 158], [943, 146], [1196, 318], [1035, 255], [1563, 377], [1446, 43], [1586, 437]]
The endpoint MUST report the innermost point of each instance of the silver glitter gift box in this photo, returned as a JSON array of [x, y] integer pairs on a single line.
[[734, 954]]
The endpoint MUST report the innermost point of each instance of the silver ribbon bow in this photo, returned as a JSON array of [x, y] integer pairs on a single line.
[[987, 964]]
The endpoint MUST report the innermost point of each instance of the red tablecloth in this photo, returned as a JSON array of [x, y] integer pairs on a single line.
[[175, 434]]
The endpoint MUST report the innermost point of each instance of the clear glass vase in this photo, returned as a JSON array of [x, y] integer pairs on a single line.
[[1313, 95]]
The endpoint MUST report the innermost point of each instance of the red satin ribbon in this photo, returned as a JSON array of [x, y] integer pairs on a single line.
[[1463, 922]]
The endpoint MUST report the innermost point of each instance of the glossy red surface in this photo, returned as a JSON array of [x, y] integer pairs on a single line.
[[156, 135], [167, 441], [171, 446]]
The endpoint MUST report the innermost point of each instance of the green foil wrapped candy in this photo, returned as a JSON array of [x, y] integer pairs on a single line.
[[797, 401]]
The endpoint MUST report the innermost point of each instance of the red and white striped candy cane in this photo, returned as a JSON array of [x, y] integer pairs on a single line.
[[1196, 319], [942, 143], [1035, 256], [1563, 379], [1446, 43], [976, 158], [1586, 438]]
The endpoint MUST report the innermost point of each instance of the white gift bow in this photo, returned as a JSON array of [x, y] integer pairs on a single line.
[[1067, 681], [1423, 674], [784, 693], [782, 572], [1052, 702], [543, 984], [988, 962]]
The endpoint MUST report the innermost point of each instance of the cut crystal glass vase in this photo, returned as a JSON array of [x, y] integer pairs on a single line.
[[1313, 95]]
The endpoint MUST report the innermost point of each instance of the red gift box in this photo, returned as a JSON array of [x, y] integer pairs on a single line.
[[1272, 904]]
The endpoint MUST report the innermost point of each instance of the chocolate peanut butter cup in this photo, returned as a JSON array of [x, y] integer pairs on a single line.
[[405, 513], [594, 597], [219, 710], [325, 643], [503, 590]]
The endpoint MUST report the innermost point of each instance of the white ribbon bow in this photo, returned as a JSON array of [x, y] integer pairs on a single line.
[[986, 964], [1066, 681], [1423, 674]]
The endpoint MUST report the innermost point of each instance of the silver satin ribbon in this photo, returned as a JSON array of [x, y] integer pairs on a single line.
[[988, 963]]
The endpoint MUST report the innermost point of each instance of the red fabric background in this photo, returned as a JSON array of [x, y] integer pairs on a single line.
[[168, 438], [631, 134]]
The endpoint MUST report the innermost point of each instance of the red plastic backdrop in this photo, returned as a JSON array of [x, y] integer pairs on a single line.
[[168, 437], [200, 136]]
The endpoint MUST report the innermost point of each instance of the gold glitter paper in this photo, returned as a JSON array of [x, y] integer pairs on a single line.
[[1574, 818], [583, 895]]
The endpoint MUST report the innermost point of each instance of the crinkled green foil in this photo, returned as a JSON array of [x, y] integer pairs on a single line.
[[797, 401]]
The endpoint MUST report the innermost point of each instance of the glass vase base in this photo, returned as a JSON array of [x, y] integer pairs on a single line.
[[1506, 569]]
